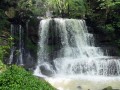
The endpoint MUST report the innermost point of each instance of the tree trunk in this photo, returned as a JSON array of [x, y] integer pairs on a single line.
[[62, 13], [68, 10]]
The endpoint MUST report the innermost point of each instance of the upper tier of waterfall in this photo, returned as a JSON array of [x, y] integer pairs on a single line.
[[67, 48]]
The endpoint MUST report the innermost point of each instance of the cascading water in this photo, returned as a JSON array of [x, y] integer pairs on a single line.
[[77, 53], [67, 49], [12, 47], [17, 49], [20, 58]]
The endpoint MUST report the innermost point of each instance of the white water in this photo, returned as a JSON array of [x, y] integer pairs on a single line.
[[84, 82], [14, 30], [20, 58], [77, 56], [12, 47]]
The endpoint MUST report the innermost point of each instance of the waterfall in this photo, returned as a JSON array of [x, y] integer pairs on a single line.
[[12, 47], [20, 57], [67, 48], [17, 49]]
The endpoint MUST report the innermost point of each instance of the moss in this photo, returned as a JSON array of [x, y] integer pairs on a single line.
[[17, 78], [108, 88], [31, 46]]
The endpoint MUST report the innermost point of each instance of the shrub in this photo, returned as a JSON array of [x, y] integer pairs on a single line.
[[16, 78], [2, 67]]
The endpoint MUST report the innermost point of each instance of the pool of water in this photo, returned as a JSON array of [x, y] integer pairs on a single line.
[[84, 82]]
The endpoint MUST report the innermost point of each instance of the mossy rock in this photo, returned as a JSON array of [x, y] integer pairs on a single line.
[[108, 88], [10, 12]]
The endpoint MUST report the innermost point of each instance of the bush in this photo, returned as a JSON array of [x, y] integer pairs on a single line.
[[110, 28], [16, 78], [1, 53], [2, 67]]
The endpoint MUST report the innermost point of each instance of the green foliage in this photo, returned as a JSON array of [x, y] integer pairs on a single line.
[[58, 6], [39, 7], [105, 16], [2, 67], [5, 44], [31, 46], [110, 28], [3, 50], [16, 78], [71, 8], [105, 3], [25, 4], [81, 8], [2, 54], [118, 24]]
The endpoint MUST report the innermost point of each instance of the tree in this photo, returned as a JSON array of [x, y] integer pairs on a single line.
[[71, 8], [59, 6], [78, 8], [40, 7]]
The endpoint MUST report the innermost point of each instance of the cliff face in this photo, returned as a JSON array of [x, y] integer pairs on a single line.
[[23, 44], [31, 42]]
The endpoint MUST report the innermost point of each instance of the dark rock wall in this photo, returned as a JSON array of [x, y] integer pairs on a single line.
[[30, 40], [102, 39]]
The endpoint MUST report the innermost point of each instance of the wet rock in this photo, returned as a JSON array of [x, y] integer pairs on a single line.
[[46, 71], [110, 88], [79, 88], [29, 62], [10, 12]]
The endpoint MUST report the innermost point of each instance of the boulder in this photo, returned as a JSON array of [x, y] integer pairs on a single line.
[[10, 12], [45, 70], [108, 88]]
